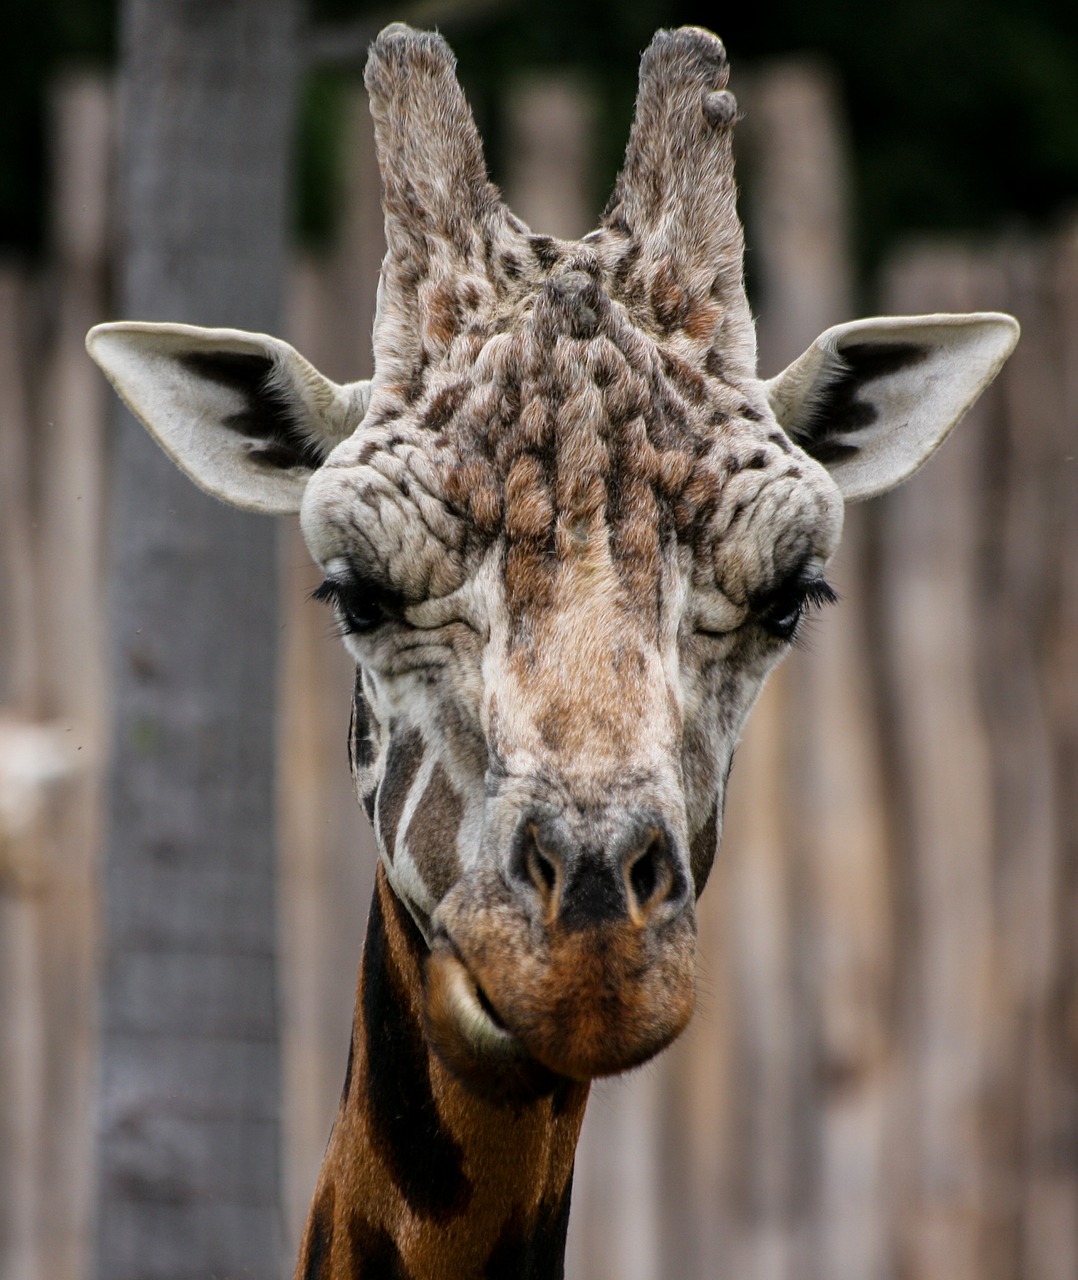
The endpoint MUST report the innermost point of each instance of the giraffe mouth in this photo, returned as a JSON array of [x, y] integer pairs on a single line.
[[489, 1009], [472, 1039], [507, 995], [474, 1012]]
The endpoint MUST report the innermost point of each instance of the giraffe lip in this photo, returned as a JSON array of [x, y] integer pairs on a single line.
[[469, 1006], [470, 1038], [489, 1009], [476, 989]]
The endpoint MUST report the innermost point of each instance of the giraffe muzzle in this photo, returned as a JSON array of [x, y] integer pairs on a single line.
[[566, 961]]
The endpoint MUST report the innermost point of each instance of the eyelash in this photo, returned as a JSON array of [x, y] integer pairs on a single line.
[[782, 614], [361, 606]]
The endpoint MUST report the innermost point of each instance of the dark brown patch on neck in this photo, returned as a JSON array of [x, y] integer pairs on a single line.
[[420, 1155], [535, 1249], [422, 1179], [375, 1255]]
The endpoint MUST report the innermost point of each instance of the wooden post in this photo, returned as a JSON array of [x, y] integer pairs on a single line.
[[50, 747], [836, 837], [948, 975], [799, 268], [550, 122], [1050, 1208], [189, 1175], [19, 631], [71, 533], [21, 837]]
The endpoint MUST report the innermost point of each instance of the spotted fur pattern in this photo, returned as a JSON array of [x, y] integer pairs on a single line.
[[558, 546], [574, 500]]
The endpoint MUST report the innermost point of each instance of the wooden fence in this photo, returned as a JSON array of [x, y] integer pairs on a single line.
[[881, 1082]]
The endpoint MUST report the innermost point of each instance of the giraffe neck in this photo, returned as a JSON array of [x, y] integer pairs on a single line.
[[422, 1179]]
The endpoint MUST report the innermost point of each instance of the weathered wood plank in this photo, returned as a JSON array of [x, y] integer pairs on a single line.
[[22, 1015], [57, 679], [551, 126], [19, 629], [769, 1229], [1038, 710], [837, 842], [72, 461], [839, 834], [929, 547]]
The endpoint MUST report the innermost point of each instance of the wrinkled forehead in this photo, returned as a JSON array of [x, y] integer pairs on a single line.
[[573, 445]]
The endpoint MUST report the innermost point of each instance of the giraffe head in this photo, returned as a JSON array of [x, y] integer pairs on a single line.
[[567, 531]]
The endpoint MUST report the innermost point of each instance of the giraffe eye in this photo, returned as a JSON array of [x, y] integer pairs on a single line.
[[361, 605], [781, 613]]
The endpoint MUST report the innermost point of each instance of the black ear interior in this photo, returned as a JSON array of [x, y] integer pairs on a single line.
[[836, 409], [268, 419]]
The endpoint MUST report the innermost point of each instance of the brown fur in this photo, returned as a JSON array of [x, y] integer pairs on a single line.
[[432, 833], [516, 1159], [588, 1003]]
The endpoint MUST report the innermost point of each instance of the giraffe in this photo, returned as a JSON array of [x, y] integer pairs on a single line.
[[566, 531]]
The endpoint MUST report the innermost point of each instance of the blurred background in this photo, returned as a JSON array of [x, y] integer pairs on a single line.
[[881, 1081]]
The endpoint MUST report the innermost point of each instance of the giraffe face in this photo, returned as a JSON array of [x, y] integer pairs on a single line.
[[564, 562], [566, 538]]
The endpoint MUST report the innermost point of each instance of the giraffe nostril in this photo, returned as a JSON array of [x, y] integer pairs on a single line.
[[644, 875], [650, 875], [537, 865], [624, 869], [542, 871]]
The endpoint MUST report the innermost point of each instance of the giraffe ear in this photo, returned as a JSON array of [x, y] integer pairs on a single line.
[[874, 399], [243, 414]]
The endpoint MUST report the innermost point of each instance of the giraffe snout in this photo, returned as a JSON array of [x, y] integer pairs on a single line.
[[572, 946], [633, 873]]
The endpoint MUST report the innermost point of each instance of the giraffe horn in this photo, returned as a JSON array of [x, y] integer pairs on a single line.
[[442, 214], [676, 196], [434, 174]]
